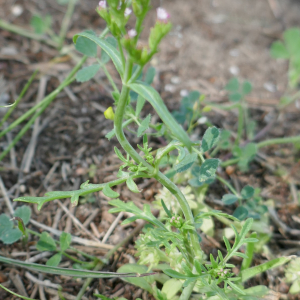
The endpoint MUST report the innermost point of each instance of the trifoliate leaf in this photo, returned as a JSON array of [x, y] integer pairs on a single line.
[[87, 73], [210, 138]]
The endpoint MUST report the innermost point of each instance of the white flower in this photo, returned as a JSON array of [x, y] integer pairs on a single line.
[[102, 4], [127, 12], [162, 14], [132, 33]]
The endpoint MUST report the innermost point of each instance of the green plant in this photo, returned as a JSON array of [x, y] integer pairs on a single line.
[[170, 244]]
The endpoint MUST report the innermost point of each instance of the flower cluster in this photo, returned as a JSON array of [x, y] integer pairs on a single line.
[[176, 221]]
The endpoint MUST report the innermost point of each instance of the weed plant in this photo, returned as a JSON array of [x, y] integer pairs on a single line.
[[170, 244]]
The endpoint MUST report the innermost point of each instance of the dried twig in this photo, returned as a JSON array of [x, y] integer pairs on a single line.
[[6, 198], [75, 239], [112, 227], [281, 225]]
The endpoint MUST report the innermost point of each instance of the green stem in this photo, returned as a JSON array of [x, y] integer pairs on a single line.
[[240, 125], [230, 187], [111, 81], [20, 31], [15, 294], [24, 90], [152, 171], [230, 162], [66, 22], [286, 140]]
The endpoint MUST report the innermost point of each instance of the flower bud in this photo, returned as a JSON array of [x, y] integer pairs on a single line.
[[162, 15], [127, 12], [132, 33], [102, 4]]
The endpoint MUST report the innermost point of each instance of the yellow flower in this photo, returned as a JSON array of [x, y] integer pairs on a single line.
[[109, 114]]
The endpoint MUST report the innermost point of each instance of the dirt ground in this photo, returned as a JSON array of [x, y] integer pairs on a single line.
[[211, 41]]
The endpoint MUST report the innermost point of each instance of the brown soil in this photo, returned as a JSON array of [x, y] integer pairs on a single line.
[[211, 41]]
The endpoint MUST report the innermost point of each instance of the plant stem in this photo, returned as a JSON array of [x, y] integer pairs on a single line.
[[122, 53], [230, 162], [29, 34], [240, 125], [152, 171], [111, 81], [24, 90], [286, 140], [230, 187], [66, 22]]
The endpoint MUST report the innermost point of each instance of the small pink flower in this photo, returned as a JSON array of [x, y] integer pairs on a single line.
[[102, 5], [162, 14], [132, 33], [173, 218], [178, 218], [225, 272], [221, 270], [127, 12]]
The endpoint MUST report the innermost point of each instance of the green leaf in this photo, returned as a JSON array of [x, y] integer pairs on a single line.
[[229, 199], [210, 138], [41, 24], [150, 94], [247, 192], [278, 50], [232, 85], [23, 212], [131, 185], [54, 260], [87, 73], [104, 56], [241, 213], [186, 163], [150, 75], [119, 154], [144, 283], [258, 291], [66, 272], [235, 97], [5, 223], [139, 105], [65, 241], [235, 287], [208, 169], [10, 236], [171, 288], [166, 209], [86, 46], [292, 40], [103, 44], [144, 125], [46, 243], [108, 192], [295, 287], [249, 273], [247, 87], [175, 274]]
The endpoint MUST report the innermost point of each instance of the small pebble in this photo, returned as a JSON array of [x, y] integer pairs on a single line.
[[17, 10]]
